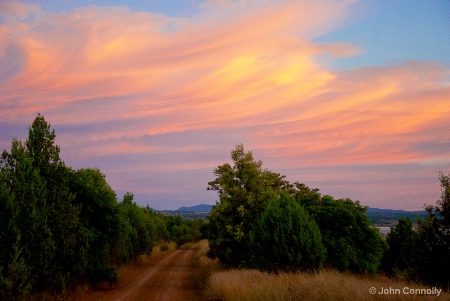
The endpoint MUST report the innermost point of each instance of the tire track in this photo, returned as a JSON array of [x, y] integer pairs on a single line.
[[168, 279]]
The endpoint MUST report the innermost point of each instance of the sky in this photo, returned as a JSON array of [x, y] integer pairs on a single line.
[[351, 97]]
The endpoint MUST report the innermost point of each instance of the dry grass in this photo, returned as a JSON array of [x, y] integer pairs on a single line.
[[204, 266], [163, 247], [250, 285], [201, 246]]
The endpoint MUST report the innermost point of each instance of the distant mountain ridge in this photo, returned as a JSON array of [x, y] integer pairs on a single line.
[[196, 208], [377, 216], [207, 208], [390, 217], [378, 210]]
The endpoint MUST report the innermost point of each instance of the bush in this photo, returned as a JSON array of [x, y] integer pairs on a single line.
[[104, 274], [285, 238], [351, 242], [399, 259]]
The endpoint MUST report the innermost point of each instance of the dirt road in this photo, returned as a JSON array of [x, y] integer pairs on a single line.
[[164, 278]]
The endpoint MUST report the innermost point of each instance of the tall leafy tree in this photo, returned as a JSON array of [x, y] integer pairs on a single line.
[[25, 213], [62, 213], [244, 188], [99, 216], [14, 272], [137, 228], [47, 218]]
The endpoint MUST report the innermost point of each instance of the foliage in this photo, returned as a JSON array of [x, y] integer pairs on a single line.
[[399, 258], [352, 243], [285, 239], [99, 217], [433, 260], [184, 230], [61, 227], [244, 189], [137, 230], [44, 215], [17, 284], [423, 254]]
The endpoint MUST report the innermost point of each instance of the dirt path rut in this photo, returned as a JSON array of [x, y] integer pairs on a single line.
[[165, 278]]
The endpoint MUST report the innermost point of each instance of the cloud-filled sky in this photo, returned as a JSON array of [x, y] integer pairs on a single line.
[[346, 96]]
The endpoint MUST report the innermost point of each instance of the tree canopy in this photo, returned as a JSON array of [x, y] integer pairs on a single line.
[[245, 190]]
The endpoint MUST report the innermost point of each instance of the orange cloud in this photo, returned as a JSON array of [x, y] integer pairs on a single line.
[[239, 71]]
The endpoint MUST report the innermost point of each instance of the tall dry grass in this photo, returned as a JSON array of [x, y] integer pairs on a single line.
[[160, 248], [204, 266], [201, 246], [249, 285], [163, 247]]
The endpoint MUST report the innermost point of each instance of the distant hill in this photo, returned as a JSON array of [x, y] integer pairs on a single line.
[[378, 217], [390, 217], [197, 208], [392, 211]]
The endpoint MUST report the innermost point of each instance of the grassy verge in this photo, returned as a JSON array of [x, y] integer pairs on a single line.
[[204, 266], [326, 285], [248, 285]]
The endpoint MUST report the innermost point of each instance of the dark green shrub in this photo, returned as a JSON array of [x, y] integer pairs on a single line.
[[351, 242], [402, 249], [103, 274], [285, 239]]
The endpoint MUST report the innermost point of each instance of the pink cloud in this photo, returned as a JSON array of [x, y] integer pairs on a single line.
[[246, 68]]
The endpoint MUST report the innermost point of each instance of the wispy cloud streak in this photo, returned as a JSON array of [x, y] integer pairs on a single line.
[[141, 94]]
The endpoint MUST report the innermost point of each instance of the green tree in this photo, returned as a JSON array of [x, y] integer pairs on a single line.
[[9, 231], [99, 216], [25, 214], [442, 207], [182, 230], [244, 189], [62, 214], [14, 273], [46, 218], [352, 243], [17, 284], [137, 228], [285, 239], [400, 256], [433, 260]]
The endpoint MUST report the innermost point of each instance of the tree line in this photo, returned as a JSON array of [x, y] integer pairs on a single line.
[[61, 227], [265, 222]]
